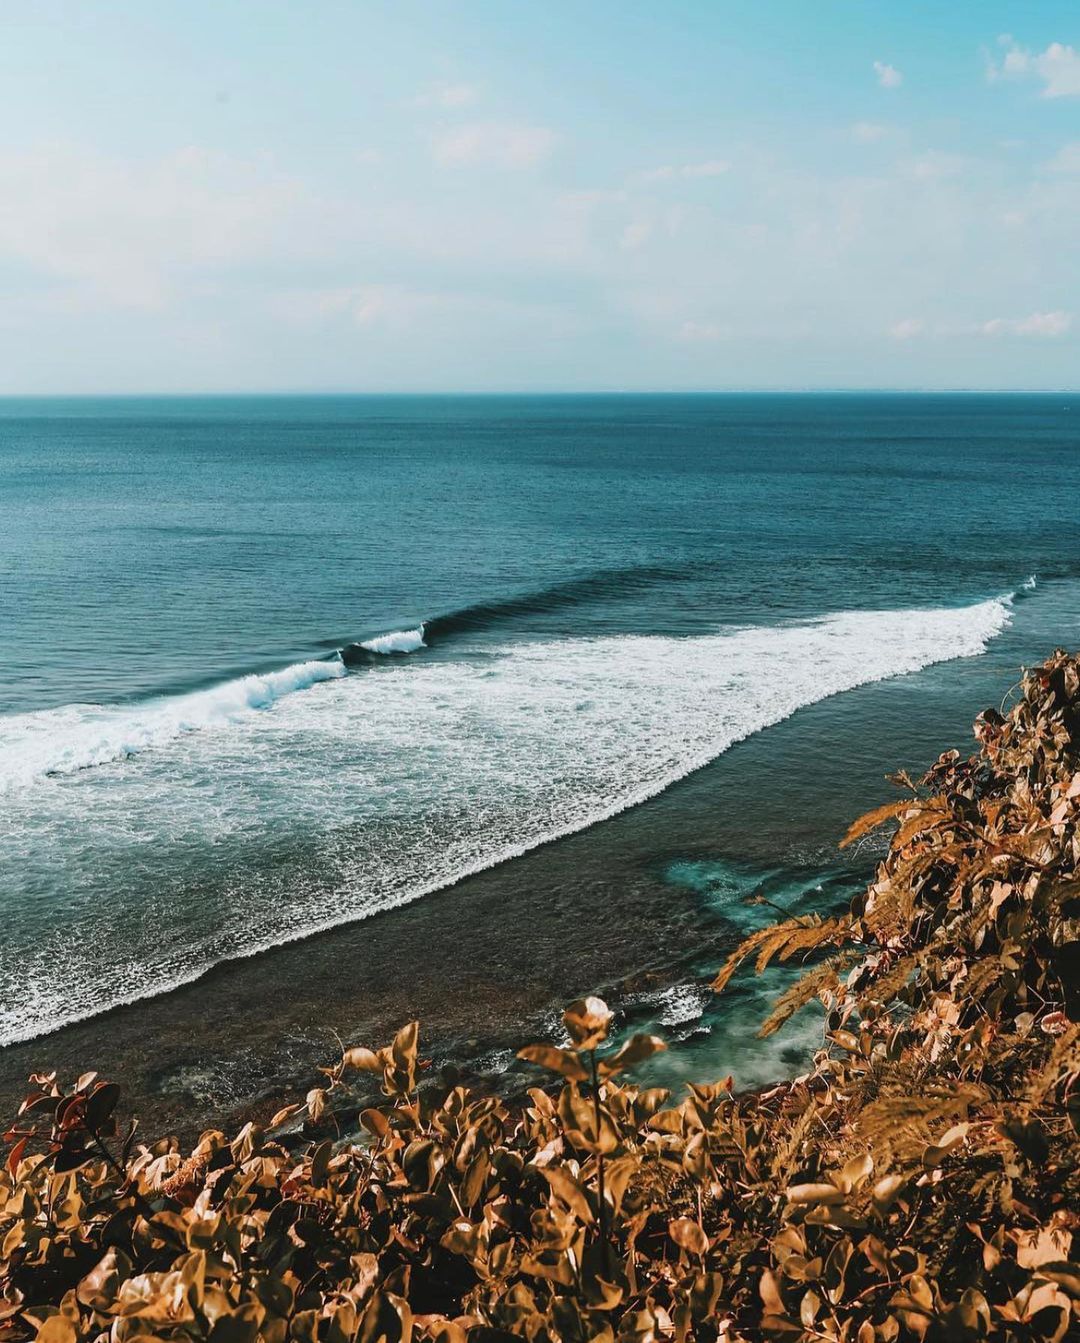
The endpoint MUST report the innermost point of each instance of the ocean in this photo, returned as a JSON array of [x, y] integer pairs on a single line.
[[273, 666]]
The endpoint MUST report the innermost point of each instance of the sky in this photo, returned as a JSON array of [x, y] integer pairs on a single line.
[[494, 195]]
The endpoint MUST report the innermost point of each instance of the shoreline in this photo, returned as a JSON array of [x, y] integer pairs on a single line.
[[185, 1061], [484, 962]]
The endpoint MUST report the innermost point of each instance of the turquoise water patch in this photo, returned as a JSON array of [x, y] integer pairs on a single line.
[[710, 1035], [751, 898]]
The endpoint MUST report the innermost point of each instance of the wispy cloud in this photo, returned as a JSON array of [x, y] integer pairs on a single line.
[[888, 76], [449, 97], [126, 233], [635, 235], [935, 166], [696, 333], [1047, 324], [1058, 67], [868, 132], [368, 306], [907, 329], [1066, 160], [493, 144], [668, 172]]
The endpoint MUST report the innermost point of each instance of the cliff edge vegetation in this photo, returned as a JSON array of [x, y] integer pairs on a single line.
[[919, 1181]]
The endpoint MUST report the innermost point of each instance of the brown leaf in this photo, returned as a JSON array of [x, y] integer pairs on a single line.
[[688, 1235], [636, 1050], [872, 819], [365, 1059], [588, 1021], [562, 1061]]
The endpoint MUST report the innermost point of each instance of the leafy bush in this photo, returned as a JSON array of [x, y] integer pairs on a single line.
[[919, 1181]]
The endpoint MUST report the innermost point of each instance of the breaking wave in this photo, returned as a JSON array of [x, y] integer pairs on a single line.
[[377, 790], [80, 736], [373, 651], [399, 641], [603, 585]]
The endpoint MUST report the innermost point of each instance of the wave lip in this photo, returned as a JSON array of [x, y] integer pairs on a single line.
[[57, 742], [397, 641], [602, 585]]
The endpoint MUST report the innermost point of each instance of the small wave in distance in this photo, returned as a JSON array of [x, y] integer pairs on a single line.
[[603, 585]]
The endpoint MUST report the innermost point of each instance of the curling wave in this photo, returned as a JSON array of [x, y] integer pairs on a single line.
[[372, 651], [603, 585], [398, 641]]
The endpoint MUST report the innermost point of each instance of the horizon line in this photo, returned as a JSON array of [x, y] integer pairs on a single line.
[[244, 393]]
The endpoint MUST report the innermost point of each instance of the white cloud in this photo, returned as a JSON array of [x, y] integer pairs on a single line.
[[1058, 67], [1066, 160], [1049, 324], [695, 333], [635, 235], [888, 76], [493, 144], [662, 174], [126, 233], [208, 269], [447, 96], [669, 171], [868, 132], [935, 166], [710, 168], [370, 305]]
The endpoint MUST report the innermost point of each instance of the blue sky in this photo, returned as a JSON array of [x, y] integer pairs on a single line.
[[502, 196]]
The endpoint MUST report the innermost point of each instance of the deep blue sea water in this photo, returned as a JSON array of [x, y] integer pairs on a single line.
[[589, 598]]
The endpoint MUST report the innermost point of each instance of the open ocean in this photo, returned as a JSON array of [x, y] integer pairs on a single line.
[[274, 665]]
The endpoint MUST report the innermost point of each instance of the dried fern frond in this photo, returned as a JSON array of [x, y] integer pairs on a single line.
[[822, 979], [805, 933]]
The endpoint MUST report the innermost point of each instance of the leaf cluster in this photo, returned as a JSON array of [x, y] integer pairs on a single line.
[[919, 1181]]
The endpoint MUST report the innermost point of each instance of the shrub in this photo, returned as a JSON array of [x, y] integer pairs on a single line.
[[919, 1181]]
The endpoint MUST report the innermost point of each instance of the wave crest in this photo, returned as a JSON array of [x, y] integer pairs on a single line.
[[54, 742], [397, 641]]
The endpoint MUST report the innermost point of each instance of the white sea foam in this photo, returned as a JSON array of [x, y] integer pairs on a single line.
[[1030, 582], [260, 828], [79, 736], [399, 641], [678, 1005]]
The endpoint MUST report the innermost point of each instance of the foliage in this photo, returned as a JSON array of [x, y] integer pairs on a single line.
[[920, 1181]]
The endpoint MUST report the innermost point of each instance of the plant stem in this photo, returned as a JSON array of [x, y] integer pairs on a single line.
[[600, 1168], [140, 1202]]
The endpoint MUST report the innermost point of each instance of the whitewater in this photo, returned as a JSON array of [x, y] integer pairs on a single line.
[[189, 830]]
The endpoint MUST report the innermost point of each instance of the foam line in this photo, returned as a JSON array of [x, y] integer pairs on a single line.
[[382, 791]]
